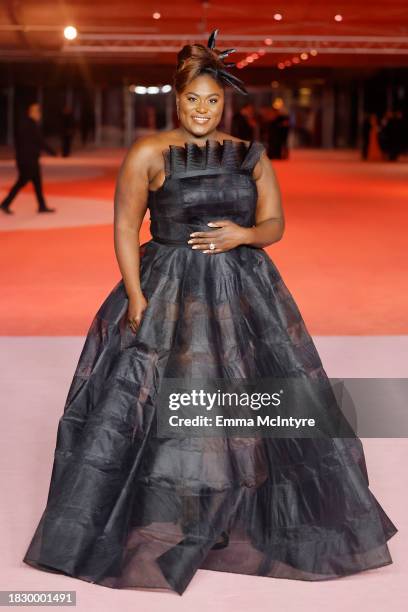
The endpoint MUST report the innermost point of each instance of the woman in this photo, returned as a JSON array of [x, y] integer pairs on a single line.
[[202, 299], [374, 150]]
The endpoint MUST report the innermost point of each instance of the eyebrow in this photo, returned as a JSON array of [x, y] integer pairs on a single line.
[[196, 94]]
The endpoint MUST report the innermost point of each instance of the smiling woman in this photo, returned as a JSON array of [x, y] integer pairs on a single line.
[[198, 101], [200, 300]]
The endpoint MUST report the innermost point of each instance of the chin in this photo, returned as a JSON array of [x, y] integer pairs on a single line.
[[201, 130]]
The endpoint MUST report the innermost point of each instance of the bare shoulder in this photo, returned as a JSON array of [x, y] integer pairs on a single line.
[[146, 148], [144, 156]]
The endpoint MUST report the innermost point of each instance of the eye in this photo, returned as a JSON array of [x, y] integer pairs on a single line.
[[190, 98], [215, 100]]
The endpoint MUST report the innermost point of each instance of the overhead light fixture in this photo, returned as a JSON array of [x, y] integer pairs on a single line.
[[70, 32], [278, 17], [156, 15], [338, 18], [151, 89]]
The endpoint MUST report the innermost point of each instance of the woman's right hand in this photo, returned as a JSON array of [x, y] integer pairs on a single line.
[[137, 305]]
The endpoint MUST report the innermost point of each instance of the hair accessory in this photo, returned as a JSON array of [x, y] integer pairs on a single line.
[[219, 72]]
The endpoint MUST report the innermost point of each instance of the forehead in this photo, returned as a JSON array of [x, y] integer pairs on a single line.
[[204, 85]]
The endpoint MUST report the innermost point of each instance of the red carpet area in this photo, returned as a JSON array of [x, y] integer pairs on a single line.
[[343, 255]]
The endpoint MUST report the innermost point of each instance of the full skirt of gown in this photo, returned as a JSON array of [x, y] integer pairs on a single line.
[[129, 509]]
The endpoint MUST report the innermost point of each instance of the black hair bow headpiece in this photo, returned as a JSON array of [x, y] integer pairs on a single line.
[[223, 74]]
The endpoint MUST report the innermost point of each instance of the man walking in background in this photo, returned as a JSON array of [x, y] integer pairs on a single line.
[[29, 143]]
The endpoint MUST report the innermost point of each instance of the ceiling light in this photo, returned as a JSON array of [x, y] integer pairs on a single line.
[[70, 32]]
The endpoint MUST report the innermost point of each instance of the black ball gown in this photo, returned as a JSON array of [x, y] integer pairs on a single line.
[[127, 509]]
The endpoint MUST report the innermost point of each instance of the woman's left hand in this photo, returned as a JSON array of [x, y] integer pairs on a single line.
[[227, 237]]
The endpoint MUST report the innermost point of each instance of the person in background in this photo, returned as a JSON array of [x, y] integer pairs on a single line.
[[374, 152], [29, 143], [365, 135], [384, 124], [276, 131], [392, 134], [279, 127], [271, 133], [283, 121], [244, 122]]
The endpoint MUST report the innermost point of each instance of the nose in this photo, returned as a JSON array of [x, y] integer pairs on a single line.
[[201, 108]]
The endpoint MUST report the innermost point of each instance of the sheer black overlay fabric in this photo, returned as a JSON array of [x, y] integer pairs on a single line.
[[128, 509]]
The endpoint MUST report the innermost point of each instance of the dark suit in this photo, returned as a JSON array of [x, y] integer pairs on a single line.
[[29, 143], [241, 128]]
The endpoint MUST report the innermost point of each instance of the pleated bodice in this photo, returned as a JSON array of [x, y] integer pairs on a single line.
[[204, 183]]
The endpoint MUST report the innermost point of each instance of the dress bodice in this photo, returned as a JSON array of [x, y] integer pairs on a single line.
[[202, 184]]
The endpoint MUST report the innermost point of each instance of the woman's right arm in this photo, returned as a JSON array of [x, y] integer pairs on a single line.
[[130, 204]]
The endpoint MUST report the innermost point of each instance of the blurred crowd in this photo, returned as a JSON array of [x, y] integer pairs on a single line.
[[270, 125], [385, 137]]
